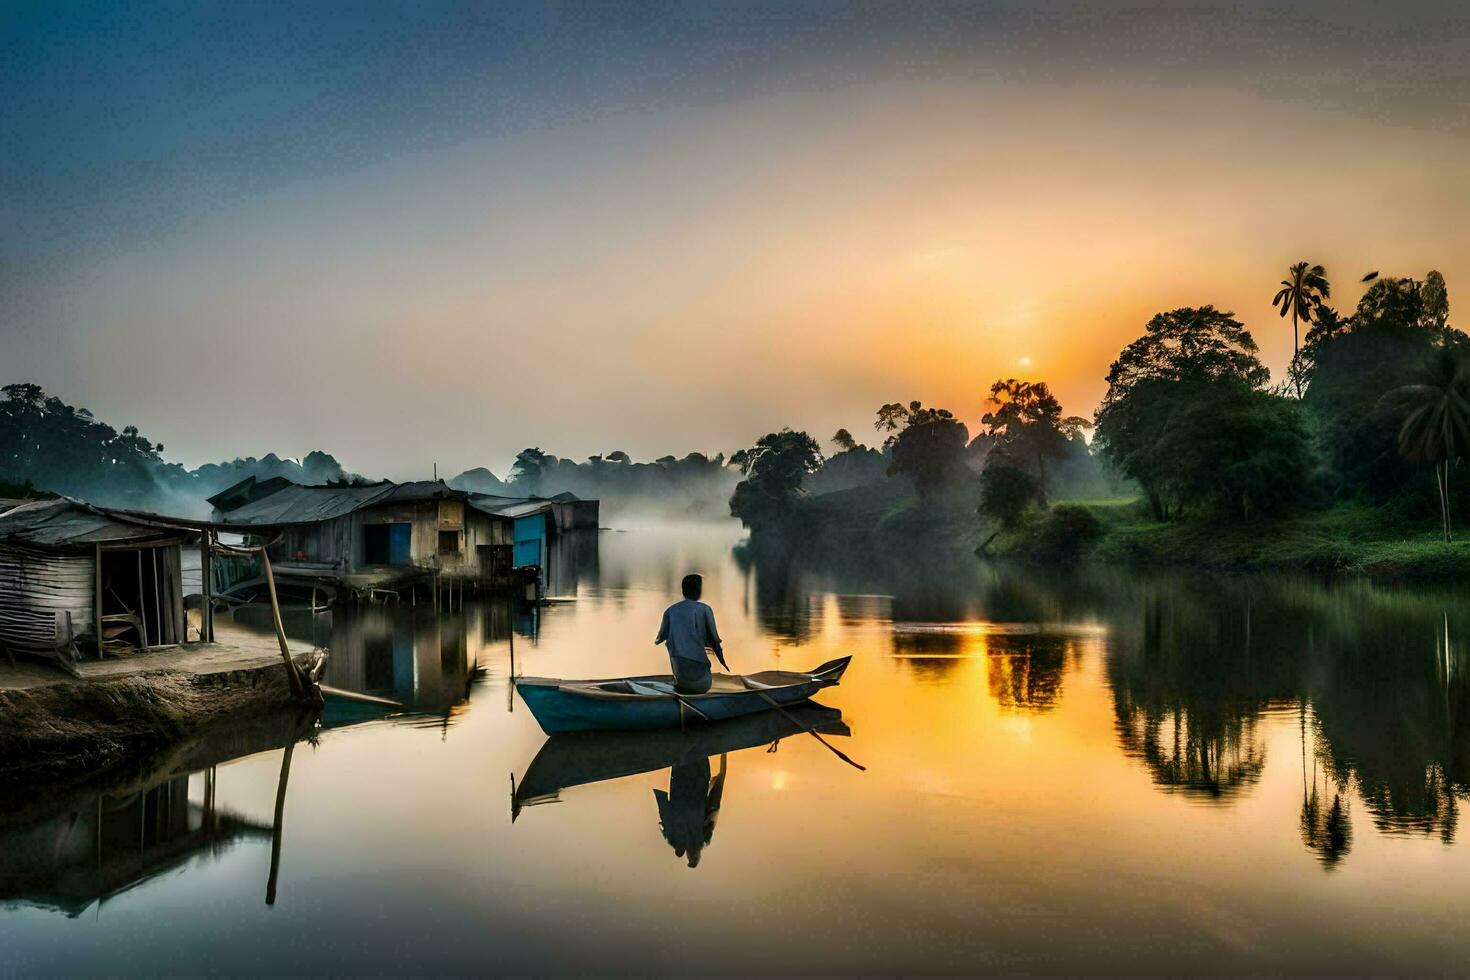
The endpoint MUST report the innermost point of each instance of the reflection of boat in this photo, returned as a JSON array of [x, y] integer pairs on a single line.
[[578, 758], [643, 703]]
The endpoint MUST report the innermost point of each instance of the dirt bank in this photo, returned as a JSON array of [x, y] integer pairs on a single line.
[[85, 725]]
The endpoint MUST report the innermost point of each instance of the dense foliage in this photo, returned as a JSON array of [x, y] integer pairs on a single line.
[[774, 469], [1025, 429], [1192, 386], [1007, 492], [926, 445]]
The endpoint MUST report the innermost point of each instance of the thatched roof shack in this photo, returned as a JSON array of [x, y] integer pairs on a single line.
[[66, 566]]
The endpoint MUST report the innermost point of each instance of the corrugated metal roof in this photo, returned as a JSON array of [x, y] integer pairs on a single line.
[[67, 523], [296, 504], [424, 490], [510, 506]]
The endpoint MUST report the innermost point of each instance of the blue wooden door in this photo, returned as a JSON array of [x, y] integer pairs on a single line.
[[530, 540], [400, 544]]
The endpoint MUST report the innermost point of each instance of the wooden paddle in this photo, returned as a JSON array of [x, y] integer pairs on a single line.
[[806, 728], [685, 704]]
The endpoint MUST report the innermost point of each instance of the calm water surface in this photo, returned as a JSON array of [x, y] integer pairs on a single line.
[[1101, 771]]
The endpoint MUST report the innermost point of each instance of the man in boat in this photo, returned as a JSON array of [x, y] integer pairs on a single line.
[[688, 628]]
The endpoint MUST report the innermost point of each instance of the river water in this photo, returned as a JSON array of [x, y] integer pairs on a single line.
[[1090, 771]]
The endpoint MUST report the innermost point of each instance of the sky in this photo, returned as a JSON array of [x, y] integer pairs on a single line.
[[431, 234]]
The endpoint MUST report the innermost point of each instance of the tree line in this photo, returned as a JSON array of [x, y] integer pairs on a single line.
[[1372, 402]]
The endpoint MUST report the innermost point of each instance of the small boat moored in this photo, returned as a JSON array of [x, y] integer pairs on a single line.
[[629, 704]]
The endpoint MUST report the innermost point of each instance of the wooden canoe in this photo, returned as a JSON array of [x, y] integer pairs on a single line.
[[631, 704]]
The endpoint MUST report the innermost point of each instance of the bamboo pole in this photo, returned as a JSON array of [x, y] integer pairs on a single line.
[[293, 676], [270, 884]]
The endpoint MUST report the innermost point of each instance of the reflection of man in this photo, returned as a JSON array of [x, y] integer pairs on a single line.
[[688, 810], [688, 628]]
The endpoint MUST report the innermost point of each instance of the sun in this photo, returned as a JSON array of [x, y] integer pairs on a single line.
[[1025, 360]]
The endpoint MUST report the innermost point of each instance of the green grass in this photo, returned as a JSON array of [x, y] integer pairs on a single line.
[[1353, 538], [1346, 537]]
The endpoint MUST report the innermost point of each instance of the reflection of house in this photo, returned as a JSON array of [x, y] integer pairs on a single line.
[[100, 849], [65, 565], [413, 655], [387, 533]]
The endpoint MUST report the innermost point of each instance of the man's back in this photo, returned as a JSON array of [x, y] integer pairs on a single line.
[[688, 627]]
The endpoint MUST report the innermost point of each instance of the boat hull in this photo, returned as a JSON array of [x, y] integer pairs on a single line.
[[569, 706]]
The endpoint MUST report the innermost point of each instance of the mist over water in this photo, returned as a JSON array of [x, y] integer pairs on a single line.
[[1099, 771]]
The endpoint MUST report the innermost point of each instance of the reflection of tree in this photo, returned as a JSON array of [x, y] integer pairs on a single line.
[[930, 656], [1025, 672], [1188, 686], [1206, 753], [782, 604], [1326, 828], [1389, 712]]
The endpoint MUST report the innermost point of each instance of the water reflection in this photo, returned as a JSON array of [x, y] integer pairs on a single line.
[[78, 848], [1283, 746], [1197, 667], [688, 809], [687, 812]]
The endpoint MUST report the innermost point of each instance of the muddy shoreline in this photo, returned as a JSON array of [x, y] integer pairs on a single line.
[[83, 727]]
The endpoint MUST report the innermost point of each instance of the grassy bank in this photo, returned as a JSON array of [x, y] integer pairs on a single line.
[[1345, 538], [888, 518]]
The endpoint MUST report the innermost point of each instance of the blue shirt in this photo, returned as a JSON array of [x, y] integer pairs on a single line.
[[689, 627]]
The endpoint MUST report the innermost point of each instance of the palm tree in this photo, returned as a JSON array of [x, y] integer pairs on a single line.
[[1303, 289], [1437, 428]]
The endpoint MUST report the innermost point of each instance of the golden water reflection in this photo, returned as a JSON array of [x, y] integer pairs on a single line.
[[1081, 771]]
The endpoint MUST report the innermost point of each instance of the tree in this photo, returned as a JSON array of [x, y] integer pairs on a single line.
[[1302, 291], [1184, 357], [24, 395], [1026, 426], [1007, 492], [1238, 450], [530, 469], [1352, 364], [774, 469], [1436, 298], [844, 441], [1436, 429], [927, 445]]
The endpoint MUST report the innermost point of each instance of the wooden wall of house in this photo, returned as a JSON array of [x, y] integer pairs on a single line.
[[35, 586], [341, 540]]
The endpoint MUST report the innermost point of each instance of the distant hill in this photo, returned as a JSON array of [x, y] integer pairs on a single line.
[[48, 444], [480, 480]]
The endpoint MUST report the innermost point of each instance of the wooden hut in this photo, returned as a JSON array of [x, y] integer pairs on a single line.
[[75, 578], [377, 535]]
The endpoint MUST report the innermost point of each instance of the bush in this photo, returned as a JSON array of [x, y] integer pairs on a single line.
[[1007, 492], [1064, 532]]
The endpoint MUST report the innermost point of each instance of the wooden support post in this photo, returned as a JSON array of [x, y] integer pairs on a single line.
[[97, 595], [142, 605], [206, 572], [293, 676], [157, 596]]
